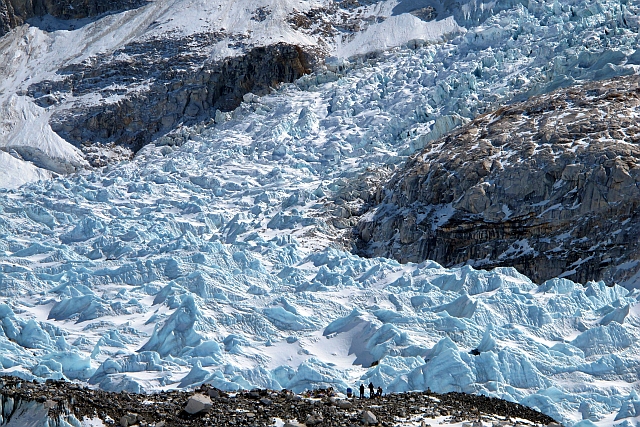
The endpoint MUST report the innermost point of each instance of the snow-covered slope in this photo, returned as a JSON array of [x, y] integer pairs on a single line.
[[213, 255], [15, 173]]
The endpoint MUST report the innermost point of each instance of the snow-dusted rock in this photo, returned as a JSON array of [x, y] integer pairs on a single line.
[[548, 186], [17, 12], [344, 404]]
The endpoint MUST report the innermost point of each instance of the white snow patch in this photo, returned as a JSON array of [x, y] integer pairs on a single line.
[[397, 31]]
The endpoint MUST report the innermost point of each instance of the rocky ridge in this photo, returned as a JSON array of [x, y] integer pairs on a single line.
[[208, 406], [549, 186]]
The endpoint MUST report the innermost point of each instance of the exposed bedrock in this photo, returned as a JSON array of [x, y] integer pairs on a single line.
[[16, 12], [147, 90], [549, 186]]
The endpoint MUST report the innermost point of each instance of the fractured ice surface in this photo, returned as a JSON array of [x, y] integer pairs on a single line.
[[419, 323]]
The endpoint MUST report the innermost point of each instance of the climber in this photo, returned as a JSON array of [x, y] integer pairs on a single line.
[[371, 390], [379, 392], [361, 391]]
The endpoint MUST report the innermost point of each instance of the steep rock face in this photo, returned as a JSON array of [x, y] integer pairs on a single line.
[[16, 12], [184, 88], [549, 186]]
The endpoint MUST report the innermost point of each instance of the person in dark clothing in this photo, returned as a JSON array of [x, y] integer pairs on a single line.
[[379, 392], [371, 390], [361, 391]]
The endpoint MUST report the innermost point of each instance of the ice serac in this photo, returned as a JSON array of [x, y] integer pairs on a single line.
[[467, 12], [548, 186], [178, 332], [397, 31], [17, 412], [110, 375]]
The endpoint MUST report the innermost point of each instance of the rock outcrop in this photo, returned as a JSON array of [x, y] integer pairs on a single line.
[[144, 85], [549, 186], [167, 84], [16, 12]]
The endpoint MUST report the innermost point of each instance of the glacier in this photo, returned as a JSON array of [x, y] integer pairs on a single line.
[[215, 255], [36, 61]]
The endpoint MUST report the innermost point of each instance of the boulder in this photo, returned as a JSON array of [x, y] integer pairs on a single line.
[[344, 404], [314, 418], [369, 418], [198, 403], [128, 419]]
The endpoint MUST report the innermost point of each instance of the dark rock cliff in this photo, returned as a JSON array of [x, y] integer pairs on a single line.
[[166, 85], [550, 186]]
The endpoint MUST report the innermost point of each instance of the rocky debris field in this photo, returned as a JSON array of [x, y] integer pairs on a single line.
[[211, 407], [548, 186]]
